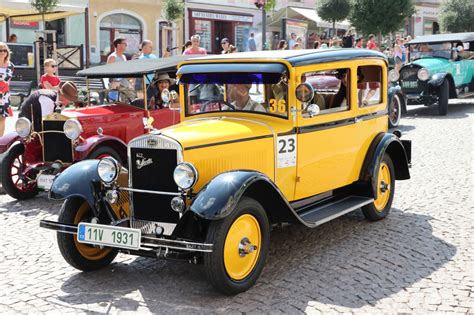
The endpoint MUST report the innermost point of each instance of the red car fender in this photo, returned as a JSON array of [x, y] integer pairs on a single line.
[[7, 140], [87, 146]]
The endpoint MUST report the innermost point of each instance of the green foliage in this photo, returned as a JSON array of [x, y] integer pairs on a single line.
[[270, 5], [457, 16], [173, 10], [44, 6], [380, 16], [334, 10]]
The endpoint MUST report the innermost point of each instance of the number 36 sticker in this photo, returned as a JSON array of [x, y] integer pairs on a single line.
[[286, 151]]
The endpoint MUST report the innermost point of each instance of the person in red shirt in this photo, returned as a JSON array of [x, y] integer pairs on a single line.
[[49, 80], [371, 44], [195, 49]]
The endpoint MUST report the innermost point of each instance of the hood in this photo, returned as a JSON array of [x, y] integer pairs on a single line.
[[103, 110], [205, 131], [432, 64]]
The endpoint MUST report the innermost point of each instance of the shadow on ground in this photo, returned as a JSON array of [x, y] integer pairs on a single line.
[[456, 110], [347, 262]]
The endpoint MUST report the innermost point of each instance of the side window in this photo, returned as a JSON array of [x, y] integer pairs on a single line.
[[369, 82], [331, 90]]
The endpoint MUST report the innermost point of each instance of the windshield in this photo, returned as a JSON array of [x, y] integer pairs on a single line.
[[263, 93], [439, 50]]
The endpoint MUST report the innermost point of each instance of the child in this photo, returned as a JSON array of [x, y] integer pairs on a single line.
[[49, 80]]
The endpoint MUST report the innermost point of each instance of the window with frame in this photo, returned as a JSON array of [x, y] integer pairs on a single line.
[[369, 83], [331, 90]]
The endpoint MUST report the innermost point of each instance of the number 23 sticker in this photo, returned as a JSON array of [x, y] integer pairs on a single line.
[[286, 151]]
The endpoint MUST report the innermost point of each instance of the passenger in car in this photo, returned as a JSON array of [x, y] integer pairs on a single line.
[[162, 81], [340, 98], [239, 96]]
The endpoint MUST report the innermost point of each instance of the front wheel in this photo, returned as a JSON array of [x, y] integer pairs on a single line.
[[17, 180], [380, 208], [443, 98], [79, 255], [240, 245], [395, 111]]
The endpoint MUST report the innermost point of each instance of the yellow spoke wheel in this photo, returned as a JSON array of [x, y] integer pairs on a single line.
[[88, 251], [383, 187], [242, 247]]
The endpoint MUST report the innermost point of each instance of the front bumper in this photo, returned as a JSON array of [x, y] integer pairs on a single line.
[[148, 244]]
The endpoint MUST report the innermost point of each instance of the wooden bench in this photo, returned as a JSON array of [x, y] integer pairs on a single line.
[[21, 89], [96, 84]]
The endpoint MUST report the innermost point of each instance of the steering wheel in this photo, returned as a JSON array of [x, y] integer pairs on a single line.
[[220, 102]]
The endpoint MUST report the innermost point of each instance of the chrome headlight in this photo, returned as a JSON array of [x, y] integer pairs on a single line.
[[393, 75], [423, 74], [23, 127], [72, 129], [108, 169], [185, 175]]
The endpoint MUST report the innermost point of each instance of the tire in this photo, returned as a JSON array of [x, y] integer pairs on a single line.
[[12, 175], [380, 208], [443, 94], [104, 151], [395, 111], [226, 268], [471, 85], [79, 255]]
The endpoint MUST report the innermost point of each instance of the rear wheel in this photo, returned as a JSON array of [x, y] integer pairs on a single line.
[[17, 181], [395, 111], [380, 208], [443, 94], [79, 255], [240, 245]]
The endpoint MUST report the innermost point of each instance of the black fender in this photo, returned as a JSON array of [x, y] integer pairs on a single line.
[[392, 90], [400, 153], [438, 78], [221, 195], [79, 180]]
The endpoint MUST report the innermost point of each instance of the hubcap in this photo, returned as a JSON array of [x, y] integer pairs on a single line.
[[384, 181], [242, 247]]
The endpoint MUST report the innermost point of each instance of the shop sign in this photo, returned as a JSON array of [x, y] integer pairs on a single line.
[[221, 16], [27, 25]]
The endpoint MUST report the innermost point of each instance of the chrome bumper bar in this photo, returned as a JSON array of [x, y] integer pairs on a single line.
[[147, 242]]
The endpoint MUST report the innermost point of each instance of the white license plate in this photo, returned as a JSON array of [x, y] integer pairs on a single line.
[[410, 84], [45, 181], [113, 236]]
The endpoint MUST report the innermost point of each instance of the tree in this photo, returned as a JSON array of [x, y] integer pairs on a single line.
[[380, 16], [457, 16], [173, 10], [334, 10], [43, 6]]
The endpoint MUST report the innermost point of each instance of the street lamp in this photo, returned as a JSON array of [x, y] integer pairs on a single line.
[[260, 4]]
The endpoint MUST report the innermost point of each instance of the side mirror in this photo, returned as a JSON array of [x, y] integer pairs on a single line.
[[313, 110], [304, 92]]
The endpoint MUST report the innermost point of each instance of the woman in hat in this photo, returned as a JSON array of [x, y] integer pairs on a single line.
[[163, 81]]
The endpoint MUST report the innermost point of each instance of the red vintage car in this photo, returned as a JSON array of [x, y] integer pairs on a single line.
[[31, 160]]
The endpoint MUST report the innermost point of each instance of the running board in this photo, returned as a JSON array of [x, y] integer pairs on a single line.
[[466, 95], [322, 213]]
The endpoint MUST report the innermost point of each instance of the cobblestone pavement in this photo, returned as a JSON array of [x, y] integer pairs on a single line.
[[418, 260]]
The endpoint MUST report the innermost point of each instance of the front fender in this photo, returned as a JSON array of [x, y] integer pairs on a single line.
[[392, 145], [437, 79], [7, 140], [222, 194], [78, 180], [88, 145], [394, 89]]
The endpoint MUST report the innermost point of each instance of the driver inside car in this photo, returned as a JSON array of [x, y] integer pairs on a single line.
[[239, 97]]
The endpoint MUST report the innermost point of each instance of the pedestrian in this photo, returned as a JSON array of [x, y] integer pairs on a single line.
[[12, 38], [186, 45], [316, 44], [371, 44], [292, 40], [335, 43], [397, 54], [226, 46], [43, 102], [404, 50], [251, 44], [121, 86], [195, 49], [282, 45], [147, 53], [297, 46], [49, 80], [359, 42], [299, 41], [348, 39], [6, 74]]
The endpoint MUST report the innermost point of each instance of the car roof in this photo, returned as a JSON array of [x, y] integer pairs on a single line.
[[297, 57], [453, 37], [133, 68]]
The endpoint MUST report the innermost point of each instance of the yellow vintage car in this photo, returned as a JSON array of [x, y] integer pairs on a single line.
[[265, 138]]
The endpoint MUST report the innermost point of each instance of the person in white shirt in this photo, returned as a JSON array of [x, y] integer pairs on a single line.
[[239, 95]]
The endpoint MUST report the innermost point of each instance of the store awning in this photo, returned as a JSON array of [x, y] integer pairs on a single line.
[[22, 11], [308, 14]]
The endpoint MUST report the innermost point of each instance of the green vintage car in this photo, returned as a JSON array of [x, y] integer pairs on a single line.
[[440, 67]]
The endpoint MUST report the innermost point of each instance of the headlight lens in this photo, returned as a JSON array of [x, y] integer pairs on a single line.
[[423, 74], [185, 175], [23, 127], [108, 169], [72, 129], [393, 75]]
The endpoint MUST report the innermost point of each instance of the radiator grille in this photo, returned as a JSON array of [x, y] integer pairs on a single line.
[[56, 145]]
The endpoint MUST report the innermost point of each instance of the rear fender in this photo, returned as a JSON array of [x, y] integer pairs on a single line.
[[393, 146], [90, 144], [79, 180], [222, 194], [7, 140]]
